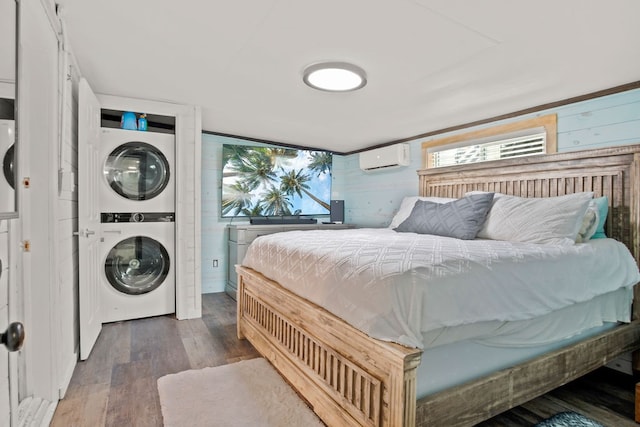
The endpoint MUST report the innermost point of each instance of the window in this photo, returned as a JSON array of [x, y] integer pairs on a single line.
[[524, 138], [496, 150]]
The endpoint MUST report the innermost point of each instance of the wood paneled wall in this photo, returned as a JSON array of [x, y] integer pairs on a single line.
[[371, 198]]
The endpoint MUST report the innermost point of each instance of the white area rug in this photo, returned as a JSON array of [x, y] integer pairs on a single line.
[[246, 393]]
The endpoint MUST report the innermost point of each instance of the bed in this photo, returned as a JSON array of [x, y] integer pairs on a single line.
[[350, 378]]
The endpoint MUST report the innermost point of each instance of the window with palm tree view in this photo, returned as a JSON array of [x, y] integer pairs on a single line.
[[275, 181]]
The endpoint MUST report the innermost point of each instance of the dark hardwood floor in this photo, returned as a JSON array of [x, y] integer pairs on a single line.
[[116, 386]]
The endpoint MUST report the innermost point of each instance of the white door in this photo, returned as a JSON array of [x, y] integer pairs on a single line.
[[7, 75], [88, 218], [5, 410]]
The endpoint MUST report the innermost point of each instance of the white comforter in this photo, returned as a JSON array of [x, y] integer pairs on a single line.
[[398, 286]]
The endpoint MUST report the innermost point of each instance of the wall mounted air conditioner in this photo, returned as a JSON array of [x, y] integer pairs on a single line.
[[391, 156]]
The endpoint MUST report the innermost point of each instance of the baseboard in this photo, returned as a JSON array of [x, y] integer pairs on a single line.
[[66, 377], [36, 412]]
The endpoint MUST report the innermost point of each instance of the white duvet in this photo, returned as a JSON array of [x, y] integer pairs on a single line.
[[399, 286]]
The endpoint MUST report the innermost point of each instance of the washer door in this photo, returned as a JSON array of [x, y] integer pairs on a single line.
[[7, 166], [137, 265], [137, 171]]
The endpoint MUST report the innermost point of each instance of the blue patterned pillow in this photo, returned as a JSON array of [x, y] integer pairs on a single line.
[[569, 419], [461, 218]]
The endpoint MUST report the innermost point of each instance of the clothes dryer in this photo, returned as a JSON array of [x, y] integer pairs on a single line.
[[7, 184], [138, 275], [138, 172]]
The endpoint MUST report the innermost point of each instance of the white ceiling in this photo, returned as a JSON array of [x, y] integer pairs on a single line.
[[430, 64]]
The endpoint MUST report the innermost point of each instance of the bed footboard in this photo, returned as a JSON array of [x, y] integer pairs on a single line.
[[347, 377]]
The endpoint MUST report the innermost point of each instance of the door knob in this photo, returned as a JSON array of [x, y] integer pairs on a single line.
[[13, 337]]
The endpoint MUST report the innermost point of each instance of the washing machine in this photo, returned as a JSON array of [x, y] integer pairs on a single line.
[[7, 184], [138, 275], [138, 172]]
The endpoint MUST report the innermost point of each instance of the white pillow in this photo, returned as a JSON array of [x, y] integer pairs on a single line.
[[407, 206], [589, 224], [553, 220]]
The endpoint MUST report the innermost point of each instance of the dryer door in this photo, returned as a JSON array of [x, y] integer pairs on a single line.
[[137, 171], [7, 180], [7, 166], [137, 265]]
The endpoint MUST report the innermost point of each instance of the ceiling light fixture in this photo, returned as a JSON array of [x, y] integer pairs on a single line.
[[335, 76]]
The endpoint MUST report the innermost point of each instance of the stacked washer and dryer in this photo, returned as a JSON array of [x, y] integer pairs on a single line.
[[137, 204]]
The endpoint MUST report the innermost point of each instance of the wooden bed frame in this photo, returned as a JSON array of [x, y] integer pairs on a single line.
[[351, 379]]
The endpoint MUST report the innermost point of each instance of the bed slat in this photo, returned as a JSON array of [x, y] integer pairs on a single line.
[[357, 390]]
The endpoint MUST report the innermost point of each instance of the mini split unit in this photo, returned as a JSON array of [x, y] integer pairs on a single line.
[[391, 156]]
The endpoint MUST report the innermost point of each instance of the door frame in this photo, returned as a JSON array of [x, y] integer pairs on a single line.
[[188, 140]]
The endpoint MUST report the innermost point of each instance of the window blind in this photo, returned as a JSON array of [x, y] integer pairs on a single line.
[[494, 150]]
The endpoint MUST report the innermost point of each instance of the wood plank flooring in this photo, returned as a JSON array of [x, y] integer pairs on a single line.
[[116, 386]]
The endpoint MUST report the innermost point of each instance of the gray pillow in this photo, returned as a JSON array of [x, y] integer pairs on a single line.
[[462, 218]]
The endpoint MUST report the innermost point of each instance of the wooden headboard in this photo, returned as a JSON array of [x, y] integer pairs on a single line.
[[612, 172]]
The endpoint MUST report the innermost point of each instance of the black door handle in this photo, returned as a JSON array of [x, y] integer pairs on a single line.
[[13, 337]]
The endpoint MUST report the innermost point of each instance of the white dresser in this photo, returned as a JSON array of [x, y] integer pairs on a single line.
[[239, 236]]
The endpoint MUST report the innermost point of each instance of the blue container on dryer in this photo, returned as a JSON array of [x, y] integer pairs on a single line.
[[142, 122], [128, 121]]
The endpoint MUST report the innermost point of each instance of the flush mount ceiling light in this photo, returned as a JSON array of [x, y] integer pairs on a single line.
[[335, 76]]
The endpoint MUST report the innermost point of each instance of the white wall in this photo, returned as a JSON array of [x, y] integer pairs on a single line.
[[188, 212], [5, 410]]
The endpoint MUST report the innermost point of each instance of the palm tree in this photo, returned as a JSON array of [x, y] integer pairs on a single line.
[[242, 160], [233, 156], [296, 182], [257, 171], [278, 156], [253, 169], [235, 197], [255, 210], [239, 160], [275, 202], [321, 162]]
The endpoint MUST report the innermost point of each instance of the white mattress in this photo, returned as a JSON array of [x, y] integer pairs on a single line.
[[558, 325], [484, 349], [401, 287], [463, 361]]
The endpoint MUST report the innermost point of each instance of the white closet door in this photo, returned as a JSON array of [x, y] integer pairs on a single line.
[[5, 410], [88, 218]]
